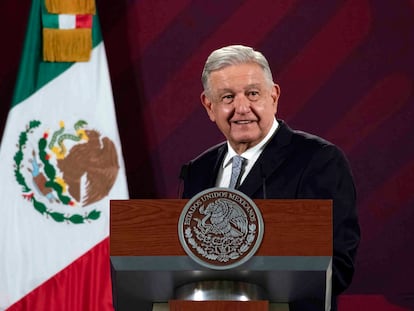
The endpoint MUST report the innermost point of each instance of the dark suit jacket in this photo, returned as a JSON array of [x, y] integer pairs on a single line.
[[295, 165]]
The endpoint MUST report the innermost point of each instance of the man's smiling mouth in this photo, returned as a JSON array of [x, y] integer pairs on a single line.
[[243, 121]]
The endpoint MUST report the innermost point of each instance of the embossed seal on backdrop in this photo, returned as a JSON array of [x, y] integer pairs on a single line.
[[220, 228]]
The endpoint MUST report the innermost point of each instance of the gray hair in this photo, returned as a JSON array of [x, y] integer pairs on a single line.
[[234, 55]]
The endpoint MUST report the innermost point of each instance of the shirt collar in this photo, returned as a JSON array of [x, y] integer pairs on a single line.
[[249, 153]]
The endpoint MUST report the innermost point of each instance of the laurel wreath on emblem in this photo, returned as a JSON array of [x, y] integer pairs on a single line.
[[50, 180], [231, 253]]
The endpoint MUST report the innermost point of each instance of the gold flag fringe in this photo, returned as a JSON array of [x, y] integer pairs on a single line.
[[67, 45], [70, 6]]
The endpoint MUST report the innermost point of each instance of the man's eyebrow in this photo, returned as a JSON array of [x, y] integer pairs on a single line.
[[253, 85], [224, 90], [249, 86]]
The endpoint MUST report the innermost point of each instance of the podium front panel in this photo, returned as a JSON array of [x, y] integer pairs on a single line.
[[148, 262]]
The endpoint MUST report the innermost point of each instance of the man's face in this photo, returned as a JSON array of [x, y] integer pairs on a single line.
[[242, 103]]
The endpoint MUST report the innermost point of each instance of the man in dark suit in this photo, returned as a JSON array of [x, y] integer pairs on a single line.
[[279, 163]]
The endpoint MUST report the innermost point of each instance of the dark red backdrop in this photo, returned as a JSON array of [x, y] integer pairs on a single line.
[[346, 70]]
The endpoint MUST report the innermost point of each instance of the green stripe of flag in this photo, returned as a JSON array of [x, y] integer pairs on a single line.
[[33, 72], [50, 20]]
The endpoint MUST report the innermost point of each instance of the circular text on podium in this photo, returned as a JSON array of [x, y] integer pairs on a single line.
[[220, 228]]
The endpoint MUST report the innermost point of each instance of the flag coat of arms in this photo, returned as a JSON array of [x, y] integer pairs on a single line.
[[61, 164]]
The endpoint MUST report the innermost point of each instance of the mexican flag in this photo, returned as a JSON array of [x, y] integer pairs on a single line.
[[61, 164]]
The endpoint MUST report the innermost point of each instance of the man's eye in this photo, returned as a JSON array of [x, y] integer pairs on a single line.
[[253, 95], [227, 99]]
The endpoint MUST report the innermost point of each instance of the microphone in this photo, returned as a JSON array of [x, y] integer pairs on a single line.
[[263, 175], [182, 176]]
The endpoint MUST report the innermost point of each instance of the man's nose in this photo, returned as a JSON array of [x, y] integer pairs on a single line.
[[242, 104]]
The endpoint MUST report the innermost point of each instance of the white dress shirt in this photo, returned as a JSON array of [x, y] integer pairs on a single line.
[[251, 155]]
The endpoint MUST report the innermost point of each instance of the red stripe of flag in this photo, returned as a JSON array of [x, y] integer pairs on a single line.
[[85, 284], [84, 21]]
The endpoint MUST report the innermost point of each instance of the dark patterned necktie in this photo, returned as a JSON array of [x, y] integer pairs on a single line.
[[236, 170]]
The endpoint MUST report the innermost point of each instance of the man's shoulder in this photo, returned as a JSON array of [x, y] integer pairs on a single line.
[[303, 138], [199, 173], [305, 143], [310, 139], [211, 153]]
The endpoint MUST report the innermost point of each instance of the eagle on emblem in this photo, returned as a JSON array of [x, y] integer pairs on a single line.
[[94, 164], [225, 218]]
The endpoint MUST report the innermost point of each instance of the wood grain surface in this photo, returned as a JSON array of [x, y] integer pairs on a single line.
[[150, 227]]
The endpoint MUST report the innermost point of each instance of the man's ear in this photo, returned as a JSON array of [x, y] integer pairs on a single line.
[[206, 102], [275, 95]]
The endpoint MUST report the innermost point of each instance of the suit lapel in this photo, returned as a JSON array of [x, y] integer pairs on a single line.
[[274, 154], [212, 174]]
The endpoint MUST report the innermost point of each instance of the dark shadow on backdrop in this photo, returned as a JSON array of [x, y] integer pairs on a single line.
[[126, 85]]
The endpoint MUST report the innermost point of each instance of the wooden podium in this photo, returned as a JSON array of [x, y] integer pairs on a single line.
[[148, 262]]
